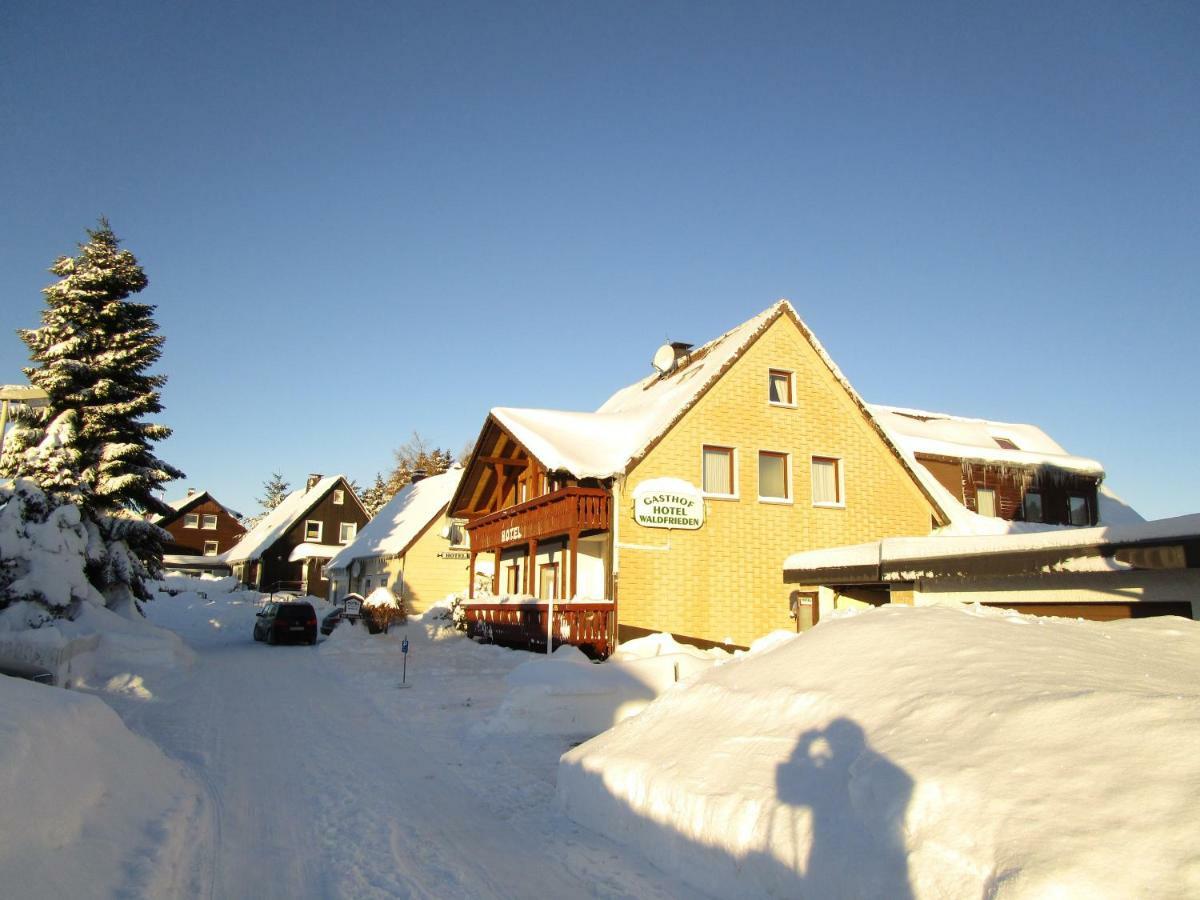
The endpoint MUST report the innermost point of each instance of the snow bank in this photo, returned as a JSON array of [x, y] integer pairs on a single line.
[[90, 808], [927, 752], [381, 597], [570, 696]]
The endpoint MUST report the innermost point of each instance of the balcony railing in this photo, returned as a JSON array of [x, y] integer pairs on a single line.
[[572, 509], [589, 626]]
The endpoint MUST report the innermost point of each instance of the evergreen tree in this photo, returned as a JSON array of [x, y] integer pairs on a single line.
[[376, 496], [90, 446], [414, 454], [92, 354], [275, 490]]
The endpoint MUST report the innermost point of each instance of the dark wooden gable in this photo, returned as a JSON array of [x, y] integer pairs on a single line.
[[500, 473]]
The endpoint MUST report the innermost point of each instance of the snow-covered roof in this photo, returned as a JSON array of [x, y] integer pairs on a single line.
[[311, 550], [183, 559], [897, 551], [275, 523], [601, 444], [180, 503], [604, 443], [941, 434], [401, 520]]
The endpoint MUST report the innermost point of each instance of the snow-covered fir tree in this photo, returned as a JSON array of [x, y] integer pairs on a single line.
[[90, 446], [275, 489], [91, 356], [376, 496]]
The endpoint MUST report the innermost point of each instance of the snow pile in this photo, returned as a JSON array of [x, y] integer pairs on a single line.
[[927, 752], [91, 809], [571, 696], [207, 584], [381, 598]]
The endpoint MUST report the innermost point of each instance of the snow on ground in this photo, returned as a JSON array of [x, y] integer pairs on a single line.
[[90, 810], [317, 775], [918, 752]]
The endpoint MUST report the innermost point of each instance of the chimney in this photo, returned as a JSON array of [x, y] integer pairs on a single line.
[[417, 475], [312, 481], [191, 492]]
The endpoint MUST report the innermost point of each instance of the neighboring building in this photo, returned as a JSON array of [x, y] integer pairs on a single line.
[[1106, 572], [411, 546], [680, 496], [289, 547], [999, 469], [202, 531]]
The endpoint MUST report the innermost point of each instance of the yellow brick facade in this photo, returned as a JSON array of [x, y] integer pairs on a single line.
[[427, 576], [724, 582]]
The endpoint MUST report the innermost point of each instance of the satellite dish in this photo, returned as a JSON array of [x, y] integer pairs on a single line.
[[664, 359]]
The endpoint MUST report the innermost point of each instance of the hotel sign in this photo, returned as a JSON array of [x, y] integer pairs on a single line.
[[668, 503]]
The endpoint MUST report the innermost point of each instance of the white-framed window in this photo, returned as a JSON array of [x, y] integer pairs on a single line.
[[781, 387], [774, 477], [313, 530], [718, 471], [208, 522], [985, 502], [1033, 506], [210, 548], [339, 497], [828, 481], [346, 532], [1077, 510], [191, 520]]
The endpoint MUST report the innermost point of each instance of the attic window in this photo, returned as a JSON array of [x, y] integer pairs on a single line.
[[1005, 443], [191, 520], [779, 387], [312, 530], [339, 497], [209, 522]]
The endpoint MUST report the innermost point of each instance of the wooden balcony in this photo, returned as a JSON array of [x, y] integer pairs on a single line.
[[592, 627], [569, 511]]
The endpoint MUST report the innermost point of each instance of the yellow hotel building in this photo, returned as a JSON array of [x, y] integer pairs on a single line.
[[681, 496]]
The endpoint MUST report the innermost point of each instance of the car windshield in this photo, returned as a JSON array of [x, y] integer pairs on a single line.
[[295, 611]]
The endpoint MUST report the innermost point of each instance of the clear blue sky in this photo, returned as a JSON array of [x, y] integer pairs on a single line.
[[361, 219]]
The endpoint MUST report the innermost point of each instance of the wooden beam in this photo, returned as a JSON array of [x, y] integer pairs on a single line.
[[574, 564], [506, 461]]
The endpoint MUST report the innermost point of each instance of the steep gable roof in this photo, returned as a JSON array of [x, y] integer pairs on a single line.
[[276, 523], [183, 504], [402, 520], [632, 421]]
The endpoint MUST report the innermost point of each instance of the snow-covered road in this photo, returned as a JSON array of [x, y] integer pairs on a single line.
[[324, 779]]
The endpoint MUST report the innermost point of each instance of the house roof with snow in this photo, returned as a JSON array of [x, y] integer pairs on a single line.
[[183, 504], [607, 442], [1057, 549], [941, 434], [277, 522], [935, 434], [402, 520]]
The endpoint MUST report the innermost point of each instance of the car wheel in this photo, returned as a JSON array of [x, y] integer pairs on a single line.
[[271, 637]]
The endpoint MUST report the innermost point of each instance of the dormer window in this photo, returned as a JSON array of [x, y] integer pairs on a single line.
[[779, 387], [1005, 443]]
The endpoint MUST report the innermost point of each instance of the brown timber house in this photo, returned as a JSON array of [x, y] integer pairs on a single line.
[[289, 548]]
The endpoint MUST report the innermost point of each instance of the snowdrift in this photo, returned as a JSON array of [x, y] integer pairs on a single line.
[[570, 696], [918, 752], [90, 809]]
